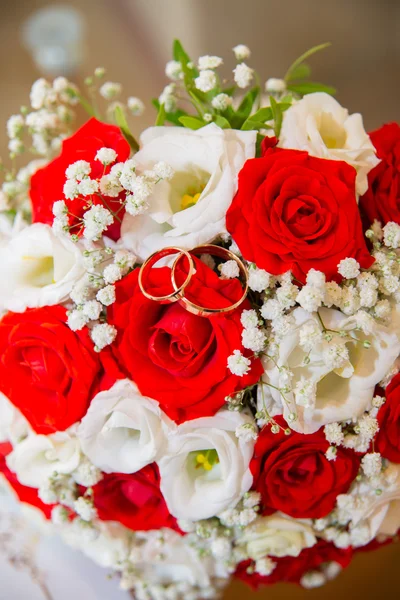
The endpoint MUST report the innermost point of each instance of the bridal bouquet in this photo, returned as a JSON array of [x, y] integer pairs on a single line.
[[200, 332]]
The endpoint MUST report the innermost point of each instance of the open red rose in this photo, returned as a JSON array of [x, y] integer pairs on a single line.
[[387, 440], [382, 199], [294, 212], [47, 183], [133, 500], [26, 495], [293, 475], [175, 357], [291, 569], [48, 371]]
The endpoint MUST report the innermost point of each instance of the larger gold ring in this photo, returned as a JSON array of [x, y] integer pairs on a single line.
[[204, 311], [155, 258]]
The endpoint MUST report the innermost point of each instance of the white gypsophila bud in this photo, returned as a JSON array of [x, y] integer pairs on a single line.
[[47, 494], [389, 285], [241, 52], [333, 294], [264, 566], [207, 117], [135, 206], [271, 309], [350, 301], [60, 84], [243, 75], [95, 221], [249, 318], [254, 339], [251, 499], [173, 70], [372, 464], [59, 208], [310, 335], [312, 579], [221, 102], [106, 295], [78, 170], [229, 517], [39, 92], [103, 335], [15, 146], [316, 278], [60, 225], [135, 106], [88, 187], [92, 310], [86, 531], [283, 324], [349, 268], [125, 260], [221, 547], [382, 309], [333, 433], [106, 156], [305, 392], [391, 235], [163, 170], [360, 536], [84, 508], [238, 364], [59, 515], [229, 270], [206, 81], [335, 356], [321, 524], [274, 85], [368, 297], [286, 295], [109, 186], [342, 540], [259, 280], [76, 320], [310, 298], [87, 474], [71, 189], [15, 126], [168, 98], [247, 516], [112, 273], [110, 90], [247, 432], [331, 453], [367, 426], [209, 62]]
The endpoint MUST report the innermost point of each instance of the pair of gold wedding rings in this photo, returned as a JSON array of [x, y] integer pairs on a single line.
[[178, 293]]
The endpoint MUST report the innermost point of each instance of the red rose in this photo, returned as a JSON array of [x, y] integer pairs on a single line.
[[47, 184], [291, 569], [46, 370], [175, 357], [293, 475], [387, 440], [296, 212], [25, 494], [382, 199], [134, 500]]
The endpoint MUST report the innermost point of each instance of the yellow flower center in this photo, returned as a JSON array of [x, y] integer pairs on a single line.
[[189, 200], [207, 459]]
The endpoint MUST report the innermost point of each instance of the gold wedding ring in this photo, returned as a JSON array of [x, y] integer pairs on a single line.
[[154, 259]]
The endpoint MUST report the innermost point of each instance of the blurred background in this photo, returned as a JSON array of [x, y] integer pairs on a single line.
[[132, 39]]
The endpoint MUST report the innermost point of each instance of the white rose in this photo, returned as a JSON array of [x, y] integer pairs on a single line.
[[123, 431], [37, 457], [37, 268], [340, 393], [191, 491], [167, 557], [206, 163], [322, 127], [277, 535], [10, 227], [13, 425]]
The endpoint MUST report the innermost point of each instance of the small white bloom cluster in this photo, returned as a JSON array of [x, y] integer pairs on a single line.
[[243, 75], [254, 336], [358, 434]]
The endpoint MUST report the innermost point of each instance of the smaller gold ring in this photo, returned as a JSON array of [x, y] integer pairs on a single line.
[[152, 260], [202, 310]]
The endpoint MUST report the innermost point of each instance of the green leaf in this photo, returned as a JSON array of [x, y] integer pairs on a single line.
[[302, 58], [262, 115], [277, 115], [245, 108], [124, 127], [73, 93], [250, 125], [171, 117], [259, 141], [161, 116], [191, 122], [179, 53], [309, 87], [302, 71], [222, 122]]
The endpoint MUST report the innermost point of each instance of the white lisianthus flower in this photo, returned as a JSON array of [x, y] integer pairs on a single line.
[[319, 125], [13, 425], [166, 557], [206, 467], [341, 373], [123, 431], [190, 208], [37, 457], [37, 268], [277, 535]]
